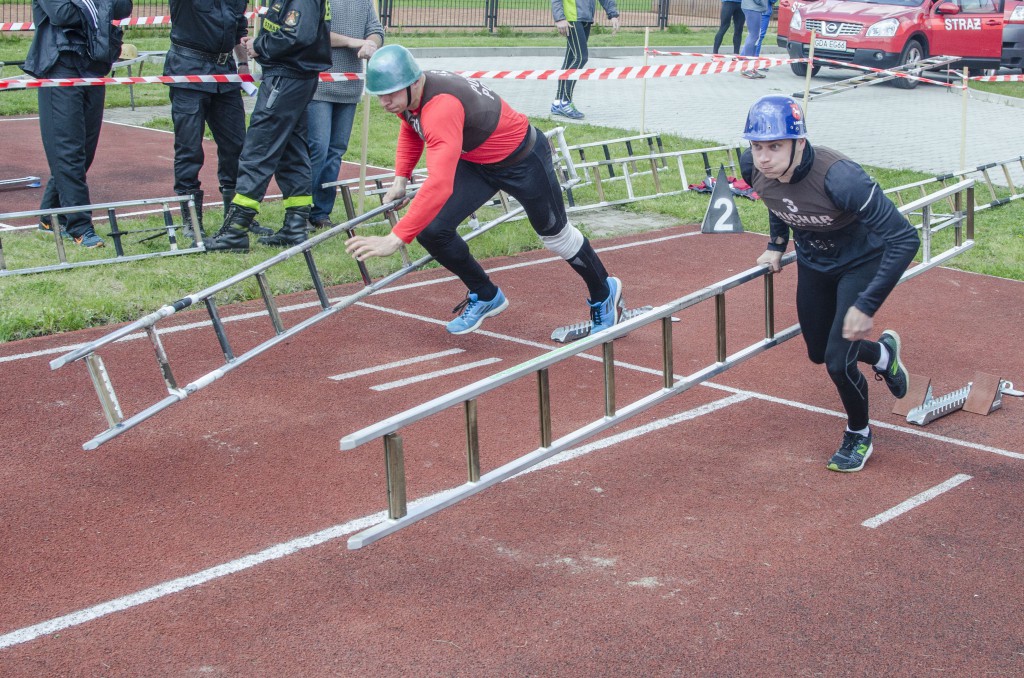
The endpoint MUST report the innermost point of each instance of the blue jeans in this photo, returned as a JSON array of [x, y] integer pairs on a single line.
[[330, 126], [753, 21]]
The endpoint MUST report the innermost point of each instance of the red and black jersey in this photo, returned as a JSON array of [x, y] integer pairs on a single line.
[[457, 119]]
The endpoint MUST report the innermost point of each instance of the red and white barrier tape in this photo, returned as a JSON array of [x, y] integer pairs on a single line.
[[624, 72], [131, 21], [998, 78], [619, 73]]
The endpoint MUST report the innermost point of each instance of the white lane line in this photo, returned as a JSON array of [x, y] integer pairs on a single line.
[[180, 584], [397, 363], [434, 375], [915, 501], [874, 422]]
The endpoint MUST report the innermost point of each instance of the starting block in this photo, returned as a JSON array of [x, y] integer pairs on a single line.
[[23, 182], [983, 395], [569, 333]]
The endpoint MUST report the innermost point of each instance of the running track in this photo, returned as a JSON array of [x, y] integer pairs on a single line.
[[704, 538]]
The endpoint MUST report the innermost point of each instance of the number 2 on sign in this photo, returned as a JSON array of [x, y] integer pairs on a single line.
[[725, 205]]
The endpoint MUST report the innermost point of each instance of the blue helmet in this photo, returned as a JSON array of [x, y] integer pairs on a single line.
[[775, 117]]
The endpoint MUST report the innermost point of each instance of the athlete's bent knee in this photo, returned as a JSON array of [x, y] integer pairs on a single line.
[[566, 243]]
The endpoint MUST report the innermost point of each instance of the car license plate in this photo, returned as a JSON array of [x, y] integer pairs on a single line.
[[822, 43]]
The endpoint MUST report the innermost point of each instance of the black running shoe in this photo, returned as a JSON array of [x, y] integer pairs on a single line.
[[895, 375], [852, 454]]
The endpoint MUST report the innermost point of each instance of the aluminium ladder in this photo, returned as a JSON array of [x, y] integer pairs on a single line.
[[915, 68]]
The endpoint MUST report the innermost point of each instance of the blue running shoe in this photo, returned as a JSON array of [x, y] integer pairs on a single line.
[[89, 240], [474, 311], [566, 109], [606, 313], [852, 454]]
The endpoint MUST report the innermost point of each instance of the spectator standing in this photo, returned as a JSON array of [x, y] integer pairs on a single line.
[[852, 246], [731, 13], [753, 11], [356, 34], [73, 40], [766, 20], [293, 48], [476, 145], [206, 38], [574, 19]]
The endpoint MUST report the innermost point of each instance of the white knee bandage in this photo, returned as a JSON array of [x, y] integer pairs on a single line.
[[566, 243]]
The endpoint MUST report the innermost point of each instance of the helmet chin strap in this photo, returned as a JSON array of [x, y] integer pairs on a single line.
[[792, 157]]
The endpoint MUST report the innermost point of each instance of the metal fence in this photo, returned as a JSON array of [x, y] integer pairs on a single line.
[[484, 15]]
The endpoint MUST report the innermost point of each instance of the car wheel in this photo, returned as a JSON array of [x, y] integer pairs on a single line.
[[801, 69], [912, 52]]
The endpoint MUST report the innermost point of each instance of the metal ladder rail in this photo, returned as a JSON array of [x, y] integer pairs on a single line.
[[399, 513], [943, 179], [594, 169], [651, 139], [874, 78], [170, 228], [118, 424]]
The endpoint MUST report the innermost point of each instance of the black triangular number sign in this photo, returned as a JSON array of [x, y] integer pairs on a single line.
[[722, 215]]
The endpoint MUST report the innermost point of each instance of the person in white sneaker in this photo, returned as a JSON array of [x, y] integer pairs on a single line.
[[476, 145], [574, 19]]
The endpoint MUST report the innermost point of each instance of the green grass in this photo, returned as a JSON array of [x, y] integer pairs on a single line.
[[48, 303], [60, 301]]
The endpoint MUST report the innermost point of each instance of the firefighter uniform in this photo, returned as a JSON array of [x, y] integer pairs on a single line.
[[293, 48], [202, 40]]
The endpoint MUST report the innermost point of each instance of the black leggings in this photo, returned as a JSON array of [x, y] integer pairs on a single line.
[[533, 184], [822, 301], [732, 12], [576, 55]]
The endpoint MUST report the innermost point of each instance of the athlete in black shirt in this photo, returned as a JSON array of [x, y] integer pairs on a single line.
[[852, 246]]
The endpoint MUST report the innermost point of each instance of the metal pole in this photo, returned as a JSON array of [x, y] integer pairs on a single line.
[[394, 462], [810, 69], [472, 442], [963, 125], [667, 368], [643, 84], [608, 351], [769, 305], [544, 406], [720, 326]]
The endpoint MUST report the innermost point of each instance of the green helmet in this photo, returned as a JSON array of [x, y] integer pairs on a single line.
[[390, 69]]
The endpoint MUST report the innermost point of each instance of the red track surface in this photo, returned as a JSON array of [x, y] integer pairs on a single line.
[[718, 545]]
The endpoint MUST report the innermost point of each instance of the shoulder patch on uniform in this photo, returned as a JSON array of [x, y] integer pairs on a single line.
[[292, 18]]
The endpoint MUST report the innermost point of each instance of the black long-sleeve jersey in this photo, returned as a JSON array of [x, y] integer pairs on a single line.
[[840, 218]]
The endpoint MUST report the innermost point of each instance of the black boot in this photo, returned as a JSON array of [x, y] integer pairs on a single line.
[[233, 236], [227, 195], [186, 218], [294, 230]]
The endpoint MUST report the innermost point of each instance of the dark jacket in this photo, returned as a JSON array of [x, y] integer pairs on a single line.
[[296, 39], [79, 31], [203, 35]]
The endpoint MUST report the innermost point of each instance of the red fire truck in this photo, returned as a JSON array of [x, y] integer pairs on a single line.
[[886, 33]]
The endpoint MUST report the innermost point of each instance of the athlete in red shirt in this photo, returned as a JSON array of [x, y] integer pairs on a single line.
[[476, 145]]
